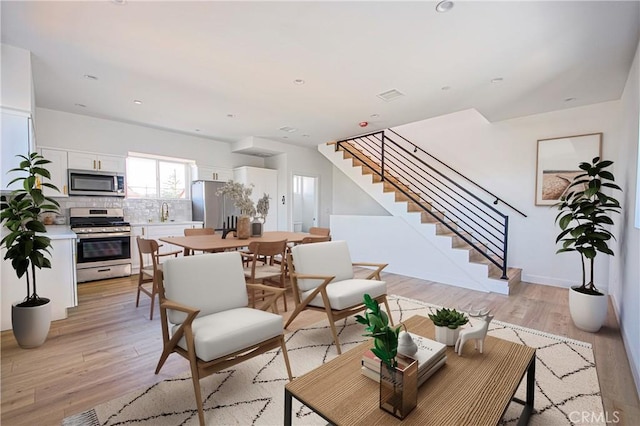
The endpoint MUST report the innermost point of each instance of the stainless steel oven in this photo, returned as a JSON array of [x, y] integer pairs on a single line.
[[104, 243]]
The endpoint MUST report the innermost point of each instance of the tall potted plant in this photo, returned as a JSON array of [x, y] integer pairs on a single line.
[[398, 384], [27, 248], [584, 218]]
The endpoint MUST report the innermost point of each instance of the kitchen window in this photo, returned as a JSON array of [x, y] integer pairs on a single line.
[[157, 177]]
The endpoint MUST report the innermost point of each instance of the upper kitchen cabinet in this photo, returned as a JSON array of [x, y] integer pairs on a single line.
[[17, 139], [265, 181], [102, 162], [58, 170], [200, 172]]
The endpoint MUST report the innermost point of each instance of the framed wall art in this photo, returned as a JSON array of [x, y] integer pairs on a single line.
[[557, 164]]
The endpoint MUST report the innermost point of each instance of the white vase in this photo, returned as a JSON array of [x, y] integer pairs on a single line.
[[588, 312], [31, 324], [447, 335]]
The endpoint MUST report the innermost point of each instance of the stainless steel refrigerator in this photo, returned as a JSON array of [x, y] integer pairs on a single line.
[[216, 211]]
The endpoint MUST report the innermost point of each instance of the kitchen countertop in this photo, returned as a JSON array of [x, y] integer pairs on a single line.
[[177, 222], [60, 232]]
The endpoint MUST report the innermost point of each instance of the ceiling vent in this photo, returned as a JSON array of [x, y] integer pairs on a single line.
[[390, 95], [288, 129]]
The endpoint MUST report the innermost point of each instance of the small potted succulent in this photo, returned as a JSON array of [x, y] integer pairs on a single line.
[[398, 384], [447, 323]]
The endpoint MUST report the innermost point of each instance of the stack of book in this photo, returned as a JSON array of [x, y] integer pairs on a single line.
[[431, 356]]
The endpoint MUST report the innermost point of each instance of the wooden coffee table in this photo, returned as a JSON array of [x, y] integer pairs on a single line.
[[472, 389]]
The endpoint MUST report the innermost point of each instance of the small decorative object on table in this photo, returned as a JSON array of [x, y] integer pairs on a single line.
[[448, 323], [262, 209], [398, 374], [477, 334]]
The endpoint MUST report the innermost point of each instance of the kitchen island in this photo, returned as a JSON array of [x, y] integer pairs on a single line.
[[58, 283]]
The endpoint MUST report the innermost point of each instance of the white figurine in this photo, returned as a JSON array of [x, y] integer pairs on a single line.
[[477, 333], [406, 345]]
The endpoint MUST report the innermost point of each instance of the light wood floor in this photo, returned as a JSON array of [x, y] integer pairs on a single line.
[[108, 347]]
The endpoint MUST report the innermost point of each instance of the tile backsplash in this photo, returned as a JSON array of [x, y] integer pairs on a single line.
[[135, 210]]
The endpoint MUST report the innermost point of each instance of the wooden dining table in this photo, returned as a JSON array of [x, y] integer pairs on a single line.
[[215, 242]]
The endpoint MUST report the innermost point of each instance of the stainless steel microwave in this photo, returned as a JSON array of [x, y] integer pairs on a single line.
[[94, 183]]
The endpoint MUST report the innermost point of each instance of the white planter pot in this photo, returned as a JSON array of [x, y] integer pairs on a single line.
[[588, 312], [446, 335], [31, 324]]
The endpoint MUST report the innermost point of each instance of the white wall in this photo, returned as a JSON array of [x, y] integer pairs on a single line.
[[624, 273], [79, 132], [17, 84], [348, 199]]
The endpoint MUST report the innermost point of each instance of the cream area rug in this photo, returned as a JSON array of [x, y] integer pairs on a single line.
[[252, 393]]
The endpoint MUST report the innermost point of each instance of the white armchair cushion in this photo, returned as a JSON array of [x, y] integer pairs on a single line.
[[348, 293], [210, 282], [222, 333], [328, 258]]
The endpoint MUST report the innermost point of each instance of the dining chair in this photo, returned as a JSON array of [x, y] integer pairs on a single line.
[[325, 232], [197, 231], [322, 279], [262, 267], [205, 317], [149, 273]]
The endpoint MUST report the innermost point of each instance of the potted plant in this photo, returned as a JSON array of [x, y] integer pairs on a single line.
[[398, 384], [447, 323], [583, 220], [241, 196], [262, 209], [27, 248]]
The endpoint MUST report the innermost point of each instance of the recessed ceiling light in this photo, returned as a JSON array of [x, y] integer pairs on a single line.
[[298, 81], [288, 129], [197, 130], [119, 2], [90, 77], [81, 105], [230, 115], [305, 136], [444, 6], [375, 115], [137, 102], [497, 80], [445, 88], [569, 99], [285, 137]]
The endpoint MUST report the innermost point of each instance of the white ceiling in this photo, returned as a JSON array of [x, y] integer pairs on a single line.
[[192, 64]]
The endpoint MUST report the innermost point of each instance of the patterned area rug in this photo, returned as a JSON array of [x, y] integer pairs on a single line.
[[252, 393]]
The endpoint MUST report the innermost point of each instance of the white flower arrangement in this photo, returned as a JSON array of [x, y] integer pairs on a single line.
[[262, 207], [241, 196]]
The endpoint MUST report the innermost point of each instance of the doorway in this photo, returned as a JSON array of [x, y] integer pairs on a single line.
[[305, 202]]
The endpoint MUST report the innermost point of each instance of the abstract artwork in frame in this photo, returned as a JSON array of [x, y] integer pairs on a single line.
[[557, 164]]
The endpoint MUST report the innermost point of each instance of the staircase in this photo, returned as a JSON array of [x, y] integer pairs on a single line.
[[475, 241]]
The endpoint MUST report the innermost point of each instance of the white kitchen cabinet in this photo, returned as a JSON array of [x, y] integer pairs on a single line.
[[17, 139], [57, 283], [265, 181], [58, 169], [156, 231], [200, 172], [102, 162]]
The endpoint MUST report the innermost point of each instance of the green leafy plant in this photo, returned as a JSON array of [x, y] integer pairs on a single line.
[[450, 318], [21, 215], [584, 217], [385, 338]]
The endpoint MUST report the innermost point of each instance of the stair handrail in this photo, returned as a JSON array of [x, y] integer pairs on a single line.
[[497, 199], [409, 156]]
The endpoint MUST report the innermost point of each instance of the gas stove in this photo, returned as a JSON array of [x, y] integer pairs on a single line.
[[104, 243]]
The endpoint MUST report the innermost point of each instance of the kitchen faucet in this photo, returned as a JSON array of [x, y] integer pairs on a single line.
[[164, 212]]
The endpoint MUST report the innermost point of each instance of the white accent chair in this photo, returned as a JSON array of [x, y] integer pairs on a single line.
[[205, 318], [322, 279]]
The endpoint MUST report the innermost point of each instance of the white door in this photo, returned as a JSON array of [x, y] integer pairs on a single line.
[[304, 202]]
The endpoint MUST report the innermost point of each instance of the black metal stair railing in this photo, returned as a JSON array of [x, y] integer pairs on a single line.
[[401, 163]]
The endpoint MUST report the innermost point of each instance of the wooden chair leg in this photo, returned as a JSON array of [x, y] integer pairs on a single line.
[[334, 331], [285, 355], [295, 313]]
